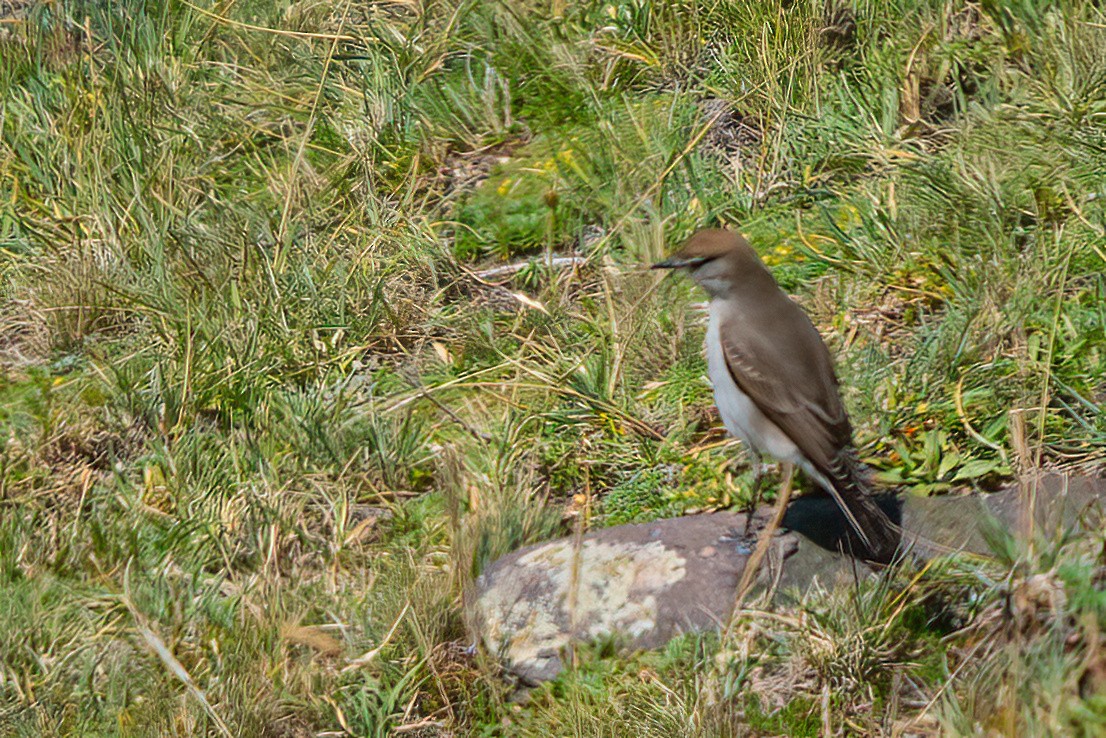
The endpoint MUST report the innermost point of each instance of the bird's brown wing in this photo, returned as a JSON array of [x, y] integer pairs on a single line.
[[788, 374]]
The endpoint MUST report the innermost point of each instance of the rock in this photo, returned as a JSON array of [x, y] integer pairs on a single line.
[[960, 522], [644, 584]]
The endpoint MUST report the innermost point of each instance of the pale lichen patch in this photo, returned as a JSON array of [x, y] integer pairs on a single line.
[[613, 587]]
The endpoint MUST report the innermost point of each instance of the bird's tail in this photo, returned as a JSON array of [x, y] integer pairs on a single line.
[[872, 535]]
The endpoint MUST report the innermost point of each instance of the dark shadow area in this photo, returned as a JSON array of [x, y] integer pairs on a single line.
[[816, 517]]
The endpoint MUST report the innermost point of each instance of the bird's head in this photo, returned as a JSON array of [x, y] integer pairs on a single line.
[[717, 259]]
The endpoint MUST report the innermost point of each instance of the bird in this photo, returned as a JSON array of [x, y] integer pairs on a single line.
[[774, 381]]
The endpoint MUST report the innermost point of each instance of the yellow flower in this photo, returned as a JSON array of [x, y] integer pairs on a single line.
[[504, 187], [847, 217]]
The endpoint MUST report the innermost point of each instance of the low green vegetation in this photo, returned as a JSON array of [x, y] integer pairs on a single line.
[[310, 310]]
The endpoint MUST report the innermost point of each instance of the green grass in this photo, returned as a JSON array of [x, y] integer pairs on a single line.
[[258, 417]]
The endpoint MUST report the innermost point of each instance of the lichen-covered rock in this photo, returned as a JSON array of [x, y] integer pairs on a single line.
[[642, 584]]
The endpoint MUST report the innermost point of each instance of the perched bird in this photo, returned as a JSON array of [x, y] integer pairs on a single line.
[[774, 382]]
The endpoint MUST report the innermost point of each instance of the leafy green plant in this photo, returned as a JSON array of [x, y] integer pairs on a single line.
[[933, 464]]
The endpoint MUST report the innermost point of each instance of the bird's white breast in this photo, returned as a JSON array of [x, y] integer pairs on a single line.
[[739, 414]]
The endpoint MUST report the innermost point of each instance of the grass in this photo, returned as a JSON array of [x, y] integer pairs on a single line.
[[262, 418]]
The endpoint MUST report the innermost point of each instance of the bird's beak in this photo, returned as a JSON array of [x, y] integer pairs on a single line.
[[677, 262]]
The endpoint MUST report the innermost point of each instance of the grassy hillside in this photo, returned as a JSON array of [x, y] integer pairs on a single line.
[[308, 310]]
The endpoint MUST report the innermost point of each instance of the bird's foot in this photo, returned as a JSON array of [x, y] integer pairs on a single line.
[[743, 541]]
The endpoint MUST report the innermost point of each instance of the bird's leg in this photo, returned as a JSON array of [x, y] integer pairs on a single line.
[[753, 563], [758, 482]]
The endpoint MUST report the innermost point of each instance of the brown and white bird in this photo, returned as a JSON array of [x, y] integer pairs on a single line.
[[774, 382]]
